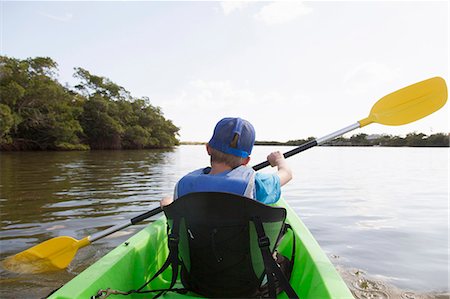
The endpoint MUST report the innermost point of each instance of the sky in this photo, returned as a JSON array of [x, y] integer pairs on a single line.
[[294, 69]]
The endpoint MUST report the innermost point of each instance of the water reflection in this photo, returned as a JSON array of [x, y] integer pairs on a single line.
[[42, 191]]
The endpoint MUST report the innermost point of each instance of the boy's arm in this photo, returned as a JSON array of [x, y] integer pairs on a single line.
[[284, 171]]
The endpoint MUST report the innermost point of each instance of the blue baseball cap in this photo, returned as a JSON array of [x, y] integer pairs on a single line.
[[226, 130]]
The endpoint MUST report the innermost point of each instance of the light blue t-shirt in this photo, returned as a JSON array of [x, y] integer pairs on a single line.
[[267, 187]]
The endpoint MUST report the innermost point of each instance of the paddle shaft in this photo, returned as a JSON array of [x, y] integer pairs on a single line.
[[312, 143], [118, 227]]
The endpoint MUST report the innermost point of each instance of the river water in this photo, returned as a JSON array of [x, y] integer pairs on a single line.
[[380, 214]]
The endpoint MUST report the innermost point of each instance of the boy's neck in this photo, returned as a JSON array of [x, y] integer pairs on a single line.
[[219, 167]]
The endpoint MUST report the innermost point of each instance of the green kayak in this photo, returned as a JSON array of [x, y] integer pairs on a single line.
[[132, 263]]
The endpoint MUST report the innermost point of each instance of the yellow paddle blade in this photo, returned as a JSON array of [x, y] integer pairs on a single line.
[[409, 104], [51, 255]]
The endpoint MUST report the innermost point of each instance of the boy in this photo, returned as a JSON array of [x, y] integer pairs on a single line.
[[230, 148]]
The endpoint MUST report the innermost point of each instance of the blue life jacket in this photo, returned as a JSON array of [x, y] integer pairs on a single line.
[[239, 181]]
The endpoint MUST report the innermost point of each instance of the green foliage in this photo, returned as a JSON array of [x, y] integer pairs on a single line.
[[298, 142], [6, 123], [102, 130], [11, 92], [113, 120], [414, 139], [41, 108], [438, 139], [37, 112], [64, 146], [359, 139], [136, 137], [411, 139], [91, 85]]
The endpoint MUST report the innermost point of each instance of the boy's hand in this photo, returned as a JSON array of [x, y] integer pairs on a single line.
[[275, 158], [165, 201], [284, 171]]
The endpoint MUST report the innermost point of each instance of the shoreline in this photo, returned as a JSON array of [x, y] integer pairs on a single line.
[[203, 143]]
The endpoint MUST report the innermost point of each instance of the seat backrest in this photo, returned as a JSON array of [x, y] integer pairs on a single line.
[[218, 242]]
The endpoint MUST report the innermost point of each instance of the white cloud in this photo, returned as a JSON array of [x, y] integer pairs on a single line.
[[62, 18], [282, 12], [222, 93], [202, 103], [368, 76], [229, 7]]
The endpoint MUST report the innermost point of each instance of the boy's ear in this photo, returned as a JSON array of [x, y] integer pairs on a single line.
[[208, 149], [246, 161]]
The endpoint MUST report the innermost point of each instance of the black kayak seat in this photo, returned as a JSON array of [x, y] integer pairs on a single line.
[[224, 244]]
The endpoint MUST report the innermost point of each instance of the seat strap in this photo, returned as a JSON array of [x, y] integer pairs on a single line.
[[172, 259], [271, 267], [289, 227]]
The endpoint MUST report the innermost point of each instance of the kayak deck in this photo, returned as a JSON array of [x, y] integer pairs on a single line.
[[132, 263]]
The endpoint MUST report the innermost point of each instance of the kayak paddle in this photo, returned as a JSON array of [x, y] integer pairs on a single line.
[[398, 108], [57, 253]]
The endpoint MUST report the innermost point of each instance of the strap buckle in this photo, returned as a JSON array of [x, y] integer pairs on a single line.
[[263, 242], [102, 294], [173, 239]]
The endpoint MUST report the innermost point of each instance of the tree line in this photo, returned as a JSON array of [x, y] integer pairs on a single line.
[[39, 113], [411, 139]]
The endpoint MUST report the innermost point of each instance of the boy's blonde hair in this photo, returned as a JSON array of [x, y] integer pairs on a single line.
[[228, 159]]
